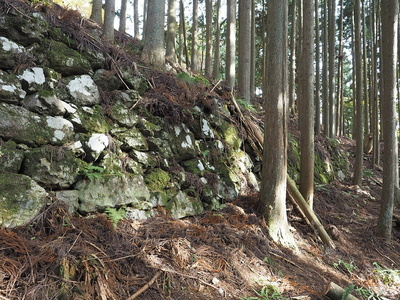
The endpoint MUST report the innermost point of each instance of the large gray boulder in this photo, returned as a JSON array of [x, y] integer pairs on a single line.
[[51, 167], [113, 190], [21, 199], [23, 126]]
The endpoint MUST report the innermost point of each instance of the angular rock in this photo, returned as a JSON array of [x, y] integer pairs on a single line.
[[51, 167], [182, 205], [122, 115], [22, 199], [23, 126], [24, 31], [32, 79], [70, 198], [44, 102], [107, 80], [63, 59], [12, 54], [95, 145], [10, 88], [111, 191], [89, 119], [10, 157], [82, 91]]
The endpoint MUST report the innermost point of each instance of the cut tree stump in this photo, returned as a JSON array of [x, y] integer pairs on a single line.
[[335, 292]]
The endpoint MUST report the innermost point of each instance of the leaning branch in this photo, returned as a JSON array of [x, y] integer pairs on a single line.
[[257, 141]]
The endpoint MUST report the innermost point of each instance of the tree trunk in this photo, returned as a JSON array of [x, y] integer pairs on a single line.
[[109, 15], [153, 50], [306, 104], [171, 31], [194, 59], [325, 86], [136, 19], [331, 78], [208, 62], [231, 43], [244, 67], [390, 11], [217, 35], [122, 17], [317, 100], [358, 121], [273, 185], [292, 59], [97, 9]]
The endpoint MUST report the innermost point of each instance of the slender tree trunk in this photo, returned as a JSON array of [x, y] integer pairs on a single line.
[[183, 26], [317, 99], [97, 10], [358, 165], [109, 15], [136, 19], [292, 58], [273, 187], [231, 43], [145, 5], [374, 88], [365, 74], [122, 17], [325, 86], [217, 35], [171, 31], [153, 50], [253, 51], [306, 104], [340, 56], [390, 11], [332, 33], [194, 58], [244, 67], [208, 63]]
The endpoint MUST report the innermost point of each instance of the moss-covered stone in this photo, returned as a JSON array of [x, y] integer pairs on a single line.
[[52, 167], [65, 60], [21, 199], [157, 180], [10, 157]]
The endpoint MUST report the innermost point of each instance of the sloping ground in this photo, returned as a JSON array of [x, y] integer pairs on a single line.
[[218, 255]]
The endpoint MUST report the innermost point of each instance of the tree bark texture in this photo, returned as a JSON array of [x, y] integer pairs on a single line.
[[231, 44], [390, 11], [97, 11], [244, 63], [153, 50], [109, 15], [171, 30], [306, 104], [273, 186]]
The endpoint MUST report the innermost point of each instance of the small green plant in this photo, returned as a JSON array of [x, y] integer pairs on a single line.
[[245, 104], [92, 172], [368, 294], [347, 291], [345, 267], [114, 215], [368, 173], [387, 276], [267, 292]]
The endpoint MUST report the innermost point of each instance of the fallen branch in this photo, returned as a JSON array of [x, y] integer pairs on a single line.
[[145, 287], [335, 292], [257, 138]]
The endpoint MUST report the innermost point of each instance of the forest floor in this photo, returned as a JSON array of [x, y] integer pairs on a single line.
[[217, 255]]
